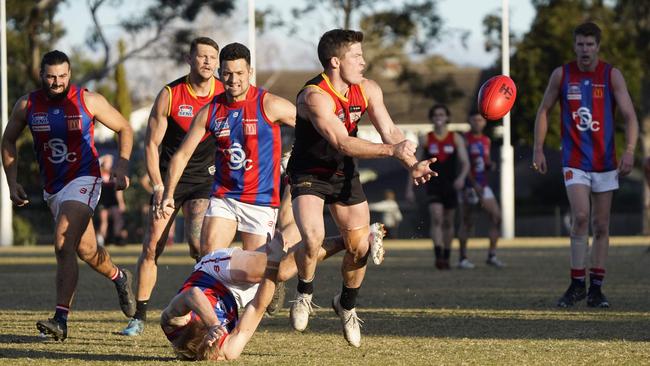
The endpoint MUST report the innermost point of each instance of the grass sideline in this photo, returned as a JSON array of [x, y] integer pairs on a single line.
[[413, 314]]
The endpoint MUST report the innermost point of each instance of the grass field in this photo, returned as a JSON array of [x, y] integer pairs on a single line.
[[413, 314]]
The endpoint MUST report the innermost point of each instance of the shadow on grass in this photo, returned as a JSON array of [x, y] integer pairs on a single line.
[[564, 326]]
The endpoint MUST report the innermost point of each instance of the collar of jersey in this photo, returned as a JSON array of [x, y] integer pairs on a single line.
[[193, 93], [329, 84]]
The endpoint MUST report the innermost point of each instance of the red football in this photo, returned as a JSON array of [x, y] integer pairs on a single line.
[[496, 97]]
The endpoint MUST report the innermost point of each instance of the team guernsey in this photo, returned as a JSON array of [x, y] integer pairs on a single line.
[[312, 154], [587, 113], [63, 132], [478, 150], [444, 150], [184, 104], [249, 150]]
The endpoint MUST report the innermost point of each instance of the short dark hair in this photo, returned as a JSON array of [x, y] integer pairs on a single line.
[[587, 29], [235, 51], [203, 40], [54, 57], [334, 43], [439, 106]]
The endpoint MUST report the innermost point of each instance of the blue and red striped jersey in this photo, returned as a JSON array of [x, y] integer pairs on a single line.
[[63, 132], [249, 149], [478, 150], [587, 114]]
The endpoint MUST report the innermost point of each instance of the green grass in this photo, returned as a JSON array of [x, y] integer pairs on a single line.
[[413, 314]]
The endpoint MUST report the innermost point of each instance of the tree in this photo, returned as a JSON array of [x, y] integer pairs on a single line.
[[122, 95], [549, 44]]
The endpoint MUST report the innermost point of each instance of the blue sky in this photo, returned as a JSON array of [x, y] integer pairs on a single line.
[[457, 14]]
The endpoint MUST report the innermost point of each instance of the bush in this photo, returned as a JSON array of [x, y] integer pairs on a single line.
[[24, 233]]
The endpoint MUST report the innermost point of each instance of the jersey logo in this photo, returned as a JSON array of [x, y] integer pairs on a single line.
[[185, 110], [448, 149], [584, 120], [574, 92], [74, 124], [433, 149], [238, 158], [250, 128], [599, 91], [59, 152], [39, 119], [221, 127], [212, 169], [355, 113]]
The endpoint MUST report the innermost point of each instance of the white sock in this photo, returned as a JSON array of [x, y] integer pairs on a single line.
[[579, 251]]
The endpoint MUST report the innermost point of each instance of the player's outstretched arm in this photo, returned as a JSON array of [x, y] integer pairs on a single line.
[[279, 110], [156, 128], [318, 107], [181, 157], [541, 121], [235, 342], [111, 118], [17, 123], [624, 102]]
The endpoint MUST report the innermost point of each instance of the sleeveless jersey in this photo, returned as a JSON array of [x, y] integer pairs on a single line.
[[223, 302], [184, 104], [587, 114], [478, 150], [63, 132], [249, 150], [312, 154], [444, 150]]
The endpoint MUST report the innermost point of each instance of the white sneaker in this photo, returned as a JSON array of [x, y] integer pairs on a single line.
[[495, 262], [300, 310], [465, 264], [350, 321], [376, 240]]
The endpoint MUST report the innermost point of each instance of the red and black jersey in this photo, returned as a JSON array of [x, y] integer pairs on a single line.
[[312, 153], [184, 104], [445, 151]]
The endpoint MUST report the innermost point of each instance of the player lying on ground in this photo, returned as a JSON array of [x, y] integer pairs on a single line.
[[202, 320]]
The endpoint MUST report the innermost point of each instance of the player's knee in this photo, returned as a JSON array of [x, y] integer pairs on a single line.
[[600, 228], [356, 243], [580, 220], [437, 221]]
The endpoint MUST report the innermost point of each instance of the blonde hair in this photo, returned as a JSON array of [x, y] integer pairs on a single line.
[[193, 344]]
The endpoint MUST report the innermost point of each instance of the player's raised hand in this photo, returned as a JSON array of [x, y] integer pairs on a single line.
[[215, 333], [421, 171], [17, 195]]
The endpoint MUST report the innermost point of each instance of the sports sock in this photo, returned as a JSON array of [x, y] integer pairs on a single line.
[[141, 310], [446, 253], [578, 276], [306, 287], [596, 278], [61, 313], [349, 297], [492, 254], [437, 251], [118, 277]]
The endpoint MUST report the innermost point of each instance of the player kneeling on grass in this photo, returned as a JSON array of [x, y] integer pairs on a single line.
[[202, 321]]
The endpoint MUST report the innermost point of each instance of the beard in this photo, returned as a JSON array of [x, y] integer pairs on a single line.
[[55, 96]]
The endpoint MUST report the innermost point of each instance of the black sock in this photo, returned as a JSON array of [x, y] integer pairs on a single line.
[[306, 288], [446, 253], [349, 297], [437, 251], [141, 310]]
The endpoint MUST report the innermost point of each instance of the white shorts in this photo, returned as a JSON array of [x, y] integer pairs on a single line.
[[217, 265], [597, 181], [253, 219], [472, 197], [83, 189]]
